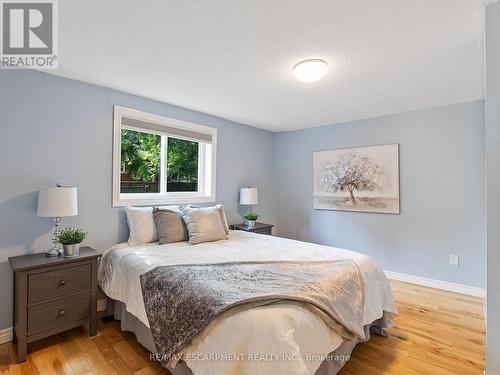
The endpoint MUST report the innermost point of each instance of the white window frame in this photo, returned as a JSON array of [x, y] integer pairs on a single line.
[[207, 160]]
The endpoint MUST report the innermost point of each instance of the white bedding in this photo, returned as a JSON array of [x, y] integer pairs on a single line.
[[284, 332]]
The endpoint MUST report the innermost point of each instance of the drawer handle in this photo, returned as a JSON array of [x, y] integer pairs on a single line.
[[62, 283], [62, 312]]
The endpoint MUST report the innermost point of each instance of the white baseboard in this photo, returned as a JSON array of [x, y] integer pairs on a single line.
[[438, 284], [6, 335]]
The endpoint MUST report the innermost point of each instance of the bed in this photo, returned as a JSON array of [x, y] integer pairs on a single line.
[[282, 338]]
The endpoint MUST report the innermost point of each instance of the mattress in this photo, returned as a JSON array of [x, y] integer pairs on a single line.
[[271, 339]]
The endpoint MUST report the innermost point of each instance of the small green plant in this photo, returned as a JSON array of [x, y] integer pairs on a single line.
[[251, 216], [71, 236]]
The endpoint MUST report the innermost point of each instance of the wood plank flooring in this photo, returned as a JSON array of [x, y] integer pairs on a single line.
[[437, 332]]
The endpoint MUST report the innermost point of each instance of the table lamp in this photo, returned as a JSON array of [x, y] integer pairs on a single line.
[[249, 197], [56, 202]]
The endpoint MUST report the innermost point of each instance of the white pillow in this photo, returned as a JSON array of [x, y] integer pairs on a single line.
[[142, 225]]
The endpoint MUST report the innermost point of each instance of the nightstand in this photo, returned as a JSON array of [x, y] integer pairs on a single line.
[[52, 295], [260, 228]]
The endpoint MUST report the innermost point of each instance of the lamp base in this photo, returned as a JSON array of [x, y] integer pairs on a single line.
[[52, 253], [56, 249]]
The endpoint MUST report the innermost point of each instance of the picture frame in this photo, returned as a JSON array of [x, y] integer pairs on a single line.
[[360, 179]]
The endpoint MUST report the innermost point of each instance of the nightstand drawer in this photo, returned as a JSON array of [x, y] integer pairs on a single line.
[[46, 316], [52, 284], [264, 231]]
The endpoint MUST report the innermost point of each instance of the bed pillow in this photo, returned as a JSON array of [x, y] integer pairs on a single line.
[[171, 226], [204, 224], [142, 225], [222, 214]]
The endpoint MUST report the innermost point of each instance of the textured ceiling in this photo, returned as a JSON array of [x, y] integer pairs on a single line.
[[233, 58]]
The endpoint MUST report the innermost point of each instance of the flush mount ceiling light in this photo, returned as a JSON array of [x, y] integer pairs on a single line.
[[310, 70]]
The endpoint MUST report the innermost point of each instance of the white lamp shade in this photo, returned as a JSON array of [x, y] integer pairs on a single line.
[[248, 196], [54, 201]]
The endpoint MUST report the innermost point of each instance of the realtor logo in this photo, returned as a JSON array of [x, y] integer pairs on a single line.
[[29, 34]]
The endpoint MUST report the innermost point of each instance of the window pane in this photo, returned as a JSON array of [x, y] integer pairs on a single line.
[[140, 162], [182, 165]]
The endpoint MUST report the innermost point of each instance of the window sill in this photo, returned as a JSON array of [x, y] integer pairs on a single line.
[[145, 200]]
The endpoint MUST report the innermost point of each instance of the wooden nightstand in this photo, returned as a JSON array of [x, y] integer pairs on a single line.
[[52, 295], [260, 228]]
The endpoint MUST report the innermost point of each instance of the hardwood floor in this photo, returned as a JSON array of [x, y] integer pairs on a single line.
[[437, 332]]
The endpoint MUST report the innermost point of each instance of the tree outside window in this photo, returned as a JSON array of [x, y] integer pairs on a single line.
[[141, 163]]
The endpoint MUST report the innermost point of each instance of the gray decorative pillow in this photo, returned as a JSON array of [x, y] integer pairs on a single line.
[[171, 226], [142, 225], [222, 214], [204, 224]]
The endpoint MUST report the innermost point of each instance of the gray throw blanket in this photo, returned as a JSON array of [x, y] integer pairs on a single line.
[[183, 300]]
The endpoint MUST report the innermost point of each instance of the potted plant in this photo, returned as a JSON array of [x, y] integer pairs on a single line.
[[71, 238], [250, 219]]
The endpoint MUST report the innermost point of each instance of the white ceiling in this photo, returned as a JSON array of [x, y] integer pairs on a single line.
[[233, 58]]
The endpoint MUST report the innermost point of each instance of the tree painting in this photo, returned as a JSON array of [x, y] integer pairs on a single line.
[[352, 172], [363, 179]]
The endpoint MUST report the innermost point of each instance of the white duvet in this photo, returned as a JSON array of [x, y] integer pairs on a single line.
[[276, 339]]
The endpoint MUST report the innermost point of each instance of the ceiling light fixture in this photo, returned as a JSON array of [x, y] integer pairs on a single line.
[[310, 70]]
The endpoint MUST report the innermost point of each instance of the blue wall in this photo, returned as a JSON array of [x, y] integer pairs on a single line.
[[54, 129], [442, 192], [59, 130], [493, 185]]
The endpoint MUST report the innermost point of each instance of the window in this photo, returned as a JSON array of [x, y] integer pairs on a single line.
[[159, 160]]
